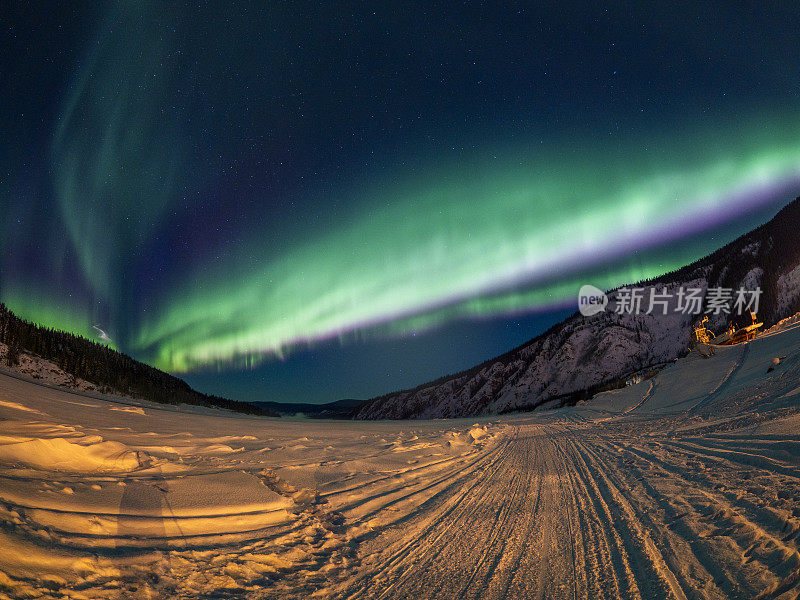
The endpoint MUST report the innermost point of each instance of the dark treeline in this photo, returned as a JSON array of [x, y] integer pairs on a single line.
[[109, 370]]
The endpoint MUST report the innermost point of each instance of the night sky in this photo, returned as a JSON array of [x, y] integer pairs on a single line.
[[297, 202]]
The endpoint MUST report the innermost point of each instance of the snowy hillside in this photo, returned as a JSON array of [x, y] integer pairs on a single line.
[[587, 353], [59, 358]]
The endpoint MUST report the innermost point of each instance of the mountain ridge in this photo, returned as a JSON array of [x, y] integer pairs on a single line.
[[556, 366], [338, 409]]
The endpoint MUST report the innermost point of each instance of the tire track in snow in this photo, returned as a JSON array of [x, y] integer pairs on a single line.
[[759, 546], [437, 515], [651, 558], [531, 526], [717, 391]]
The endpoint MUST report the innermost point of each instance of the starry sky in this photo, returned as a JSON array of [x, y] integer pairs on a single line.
[[305, 202]]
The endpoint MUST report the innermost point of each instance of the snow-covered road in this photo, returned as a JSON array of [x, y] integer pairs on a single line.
[[555, 513], [684, 486]]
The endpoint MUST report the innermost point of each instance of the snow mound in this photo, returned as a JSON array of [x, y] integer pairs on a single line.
[[477, 432], [75, 454]]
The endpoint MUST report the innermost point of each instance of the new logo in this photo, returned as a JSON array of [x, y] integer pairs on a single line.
[[591, 300]]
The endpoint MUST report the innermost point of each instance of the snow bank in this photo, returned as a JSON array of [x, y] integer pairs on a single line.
[[58, 454]]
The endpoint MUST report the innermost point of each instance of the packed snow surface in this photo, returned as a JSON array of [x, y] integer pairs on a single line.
[[686, 485]]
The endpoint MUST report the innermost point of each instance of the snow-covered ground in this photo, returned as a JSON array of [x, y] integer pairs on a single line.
[[686, 485]]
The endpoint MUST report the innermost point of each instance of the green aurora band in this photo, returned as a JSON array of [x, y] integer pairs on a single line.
[[116, 162], [501, 241]]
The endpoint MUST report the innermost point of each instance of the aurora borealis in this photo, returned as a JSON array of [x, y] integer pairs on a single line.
[[242, 193], [445, 247]]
